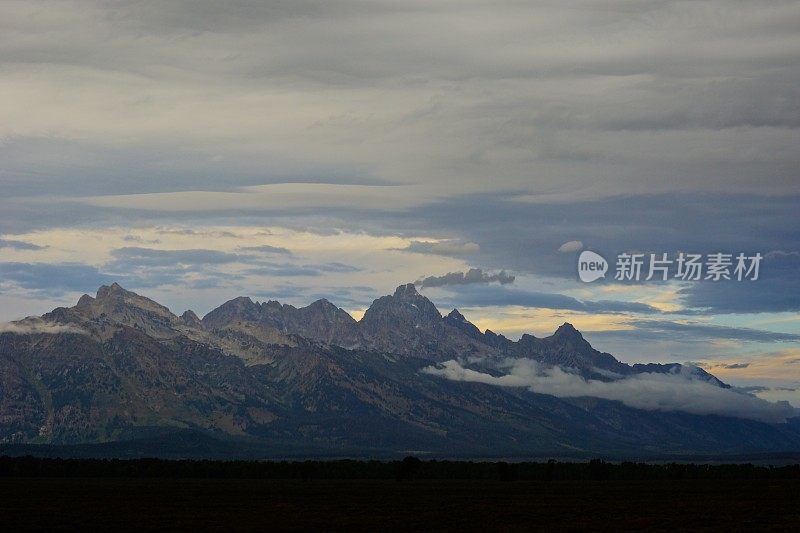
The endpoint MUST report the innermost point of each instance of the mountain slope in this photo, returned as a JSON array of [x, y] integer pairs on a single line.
[[282, 379]]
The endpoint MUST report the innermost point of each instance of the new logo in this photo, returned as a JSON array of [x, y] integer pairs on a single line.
[[591, 266]]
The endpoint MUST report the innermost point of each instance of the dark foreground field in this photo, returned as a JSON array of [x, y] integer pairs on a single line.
[[246, 504]]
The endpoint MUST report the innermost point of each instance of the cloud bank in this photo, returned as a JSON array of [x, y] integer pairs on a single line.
[[648, 391]]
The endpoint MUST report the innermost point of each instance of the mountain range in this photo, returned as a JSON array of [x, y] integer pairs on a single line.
[[120, 374]]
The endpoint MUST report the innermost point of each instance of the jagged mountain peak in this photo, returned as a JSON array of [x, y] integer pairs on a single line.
[[240, 308], [566, 326], [84, 301], [407, 291], [240, 302], [113, 299], [567, 348], [455, 319], [407, 303], [491, 333], [456, 315], [190, 318], [319, 321], [114, 290], [405, 322], [568, 332], [327, 308], [113, 308], [322, 303]]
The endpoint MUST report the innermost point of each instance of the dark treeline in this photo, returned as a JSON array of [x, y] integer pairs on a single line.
[[408, 468]]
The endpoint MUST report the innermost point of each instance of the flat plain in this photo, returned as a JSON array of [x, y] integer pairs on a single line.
[[264, 504]]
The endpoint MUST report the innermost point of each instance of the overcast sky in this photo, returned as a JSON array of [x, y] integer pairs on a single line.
[[195, 151]]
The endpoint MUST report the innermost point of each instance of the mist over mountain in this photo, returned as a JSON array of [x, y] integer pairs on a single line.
[[118, 366]]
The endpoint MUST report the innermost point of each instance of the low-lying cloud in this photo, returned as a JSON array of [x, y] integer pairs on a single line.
[[34, 327], [648, 391], [472, 276]]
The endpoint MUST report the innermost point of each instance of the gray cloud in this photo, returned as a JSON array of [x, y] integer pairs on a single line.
[[493, 86], [648, 223], [266, 249], [136, 238], [657, 223], [472, 276], [67, 167], [734, 366], [666, 328], [136, 267], [753, 389], [47, 280], [20, 245], [485, 296], [661, 392], [135, 256], [521, 124], [212, 281], [649, 332], [776, 289], [55, 279], [289, 269], [336, 267], [448, 248]]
